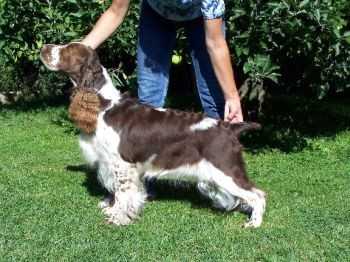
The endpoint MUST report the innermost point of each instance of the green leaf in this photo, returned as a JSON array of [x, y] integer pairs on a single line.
[[253, 93], [70, 34], [244, 89], [304, 3], [247, 67]]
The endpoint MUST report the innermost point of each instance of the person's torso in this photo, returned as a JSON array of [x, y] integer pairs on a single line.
[[182, 10]]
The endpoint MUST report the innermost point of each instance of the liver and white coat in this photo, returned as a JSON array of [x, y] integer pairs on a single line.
[[128, 142]]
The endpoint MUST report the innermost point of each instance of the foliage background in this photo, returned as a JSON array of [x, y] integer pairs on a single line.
[[300, 47]]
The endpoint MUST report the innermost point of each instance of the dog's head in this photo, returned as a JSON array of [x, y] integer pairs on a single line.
[[82, 65], [79, 61]]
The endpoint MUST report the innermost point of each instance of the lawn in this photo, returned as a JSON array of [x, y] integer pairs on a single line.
[[48, 202]]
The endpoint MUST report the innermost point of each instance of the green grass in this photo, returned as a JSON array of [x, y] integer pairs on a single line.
[[48, 205]]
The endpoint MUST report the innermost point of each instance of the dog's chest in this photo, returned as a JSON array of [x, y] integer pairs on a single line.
[[106, 144]]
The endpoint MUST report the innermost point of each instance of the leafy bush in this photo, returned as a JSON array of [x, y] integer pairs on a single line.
[[287, 46], [303, 45], [27, 25]]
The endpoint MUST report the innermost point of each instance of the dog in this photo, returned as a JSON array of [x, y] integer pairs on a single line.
[[128, 142]]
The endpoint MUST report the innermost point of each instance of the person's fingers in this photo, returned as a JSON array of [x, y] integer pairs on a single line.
[[236, 119], [232, 114], [230, 117], [227, 111], [239, 117]]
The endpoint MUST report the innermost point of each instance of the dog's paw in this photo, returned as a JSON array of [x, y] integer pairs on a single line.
[[118, 218], [124, 208], [258, 210], [253, 222], [109, 210]]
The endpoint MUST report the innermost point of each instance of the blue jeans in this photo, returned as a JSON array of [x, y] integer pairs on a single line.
[[156, 42]]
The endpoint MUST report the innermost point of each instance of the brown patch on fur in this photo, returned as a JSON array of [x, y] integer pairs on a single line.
[[84, 109]]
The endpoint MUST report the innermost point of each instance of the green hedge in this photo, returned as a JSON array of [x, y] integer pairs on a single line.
[[26, 25], [303, 45], [287, 46]]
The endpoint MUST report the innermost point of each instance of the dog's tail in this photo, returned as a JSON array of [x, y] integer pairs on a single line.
[[239, 128]]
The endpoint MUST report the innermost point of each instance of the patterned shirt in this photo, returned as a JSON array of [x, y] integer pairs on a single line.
[[182, 10]]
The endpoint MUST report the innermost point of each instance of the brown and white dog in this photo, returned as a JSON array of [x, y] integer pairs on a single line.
[[129, 142]]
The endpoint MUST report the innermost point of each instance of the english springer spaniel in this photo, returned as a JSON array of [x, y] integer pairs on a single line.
[[129, 142]]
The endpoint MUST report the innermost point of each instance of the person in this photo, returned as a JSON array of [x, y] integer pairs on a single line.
[[205, 29]]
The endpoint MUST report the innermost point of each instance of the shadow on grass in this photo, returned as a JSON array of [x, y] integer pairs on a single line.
[[288, 123], [161, 189], [39, 104], [157, 190], [91, 183], [175, 190]]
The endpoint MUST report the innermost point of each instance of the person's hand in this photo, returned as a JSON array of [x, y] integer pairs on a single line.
[[233, 110]]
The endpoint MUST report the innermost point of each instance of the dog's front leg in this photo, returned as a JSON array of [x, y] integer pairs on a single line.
[[87, 148], [129, 196]]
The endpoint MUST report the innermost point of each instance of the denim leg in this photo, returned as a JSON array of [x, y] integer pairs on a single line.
[[156, 41], [209, 90]]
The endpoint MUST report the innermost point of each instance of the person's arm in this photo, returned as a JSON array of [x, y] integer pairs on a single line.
[[107, 23], [220, 59]]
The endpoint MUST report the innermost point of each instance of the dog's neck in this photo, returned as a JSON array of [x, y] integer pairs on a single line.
[[108, 90]]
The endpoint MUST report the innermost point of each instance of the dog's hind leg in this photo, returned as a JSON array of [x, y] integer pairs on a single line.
[[228, 195], [220, 198]]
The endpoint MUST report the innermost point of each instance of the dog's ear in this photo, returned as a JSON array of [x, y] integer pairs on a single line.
[[239, 128], [91, 73], [83, 110]]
